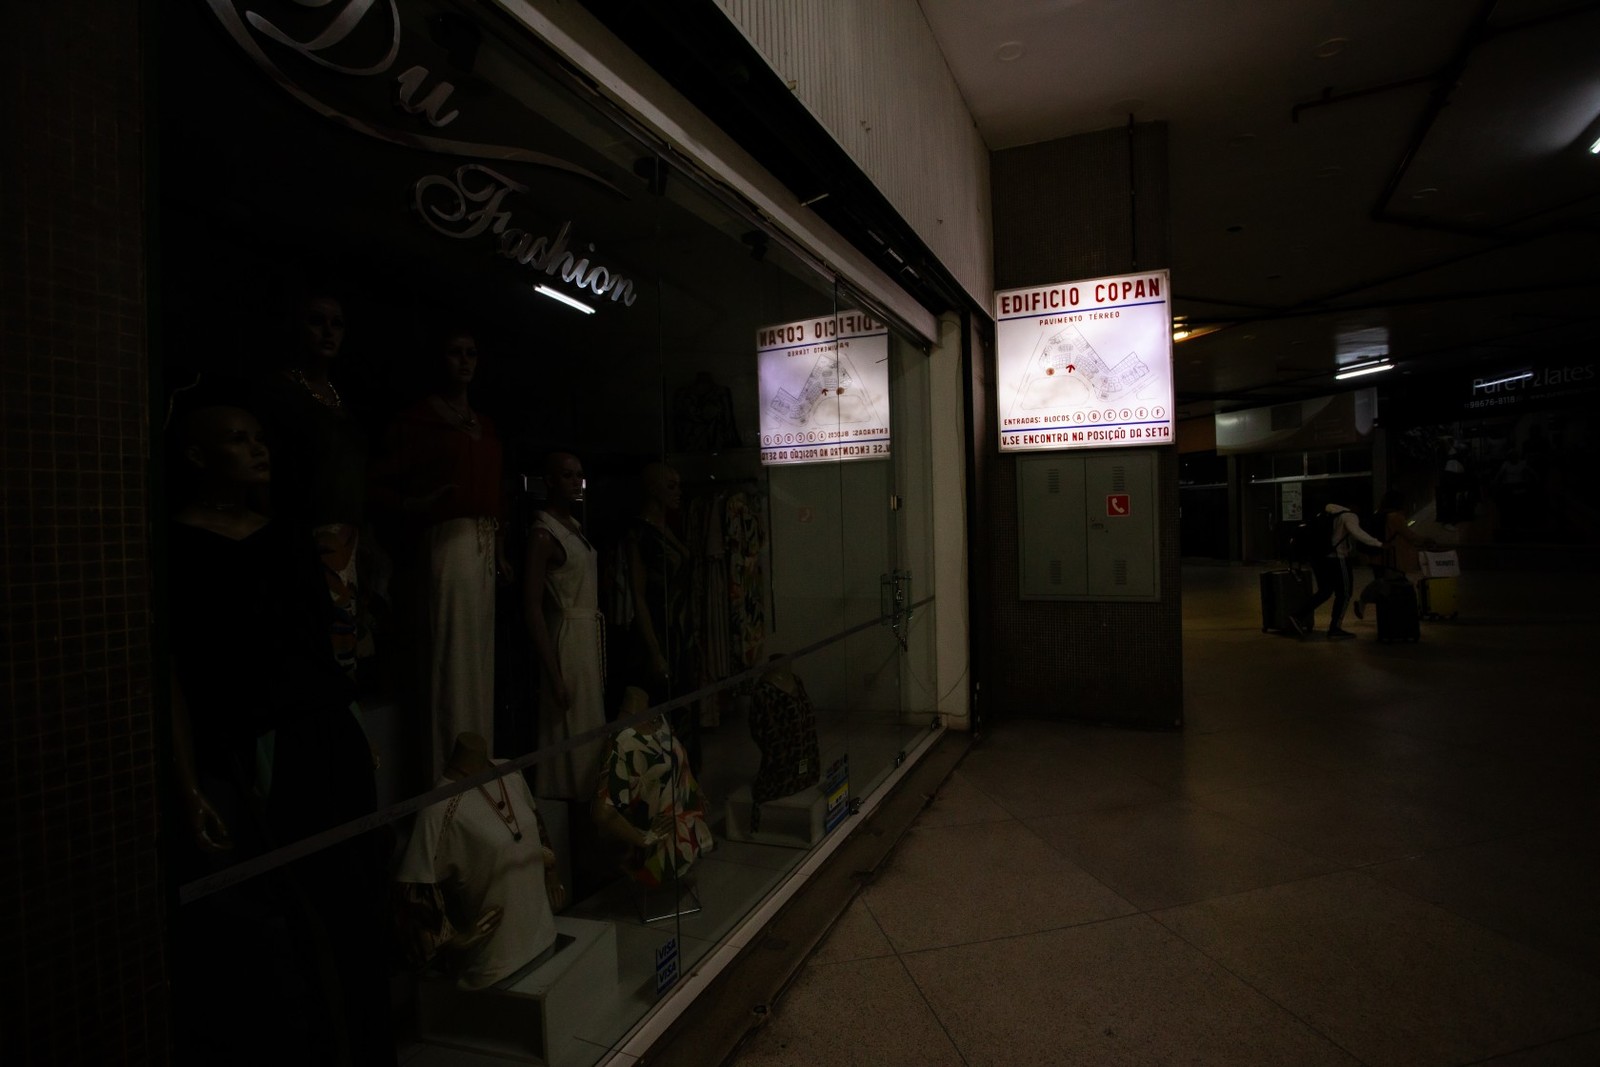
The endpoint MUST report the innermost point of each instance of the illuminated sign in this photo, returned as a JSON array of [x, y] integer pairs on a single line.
[[824, 386], [1085, 364]]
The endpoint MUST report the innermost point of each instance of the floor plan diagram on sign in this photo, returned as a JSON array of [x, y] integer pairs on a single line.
[[1066, 373], [833, 393]]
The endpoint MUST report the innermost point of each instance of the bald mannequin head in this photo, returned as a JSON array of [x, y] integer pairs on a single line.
[[225, 445]]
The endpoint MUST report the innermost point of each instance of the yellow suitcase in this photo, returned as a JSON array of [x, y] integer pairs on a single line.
[[1436, 598]]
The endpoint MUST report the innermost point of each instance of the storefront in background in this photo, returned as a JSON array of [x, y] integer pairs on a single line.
[[1500, 454], [527, 491], [1294, 458]]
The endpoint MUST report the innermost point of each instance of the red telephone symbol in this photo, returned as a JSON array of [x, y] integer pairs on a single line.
[[1118, 504]]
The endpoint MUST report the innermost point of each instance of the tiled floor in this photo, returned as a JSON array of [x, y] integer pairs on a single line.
[[1354, 853]]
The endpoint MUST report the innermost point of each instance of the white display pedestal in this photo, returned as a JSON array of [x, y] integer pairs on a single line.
[[539, 1016], [795, 820]]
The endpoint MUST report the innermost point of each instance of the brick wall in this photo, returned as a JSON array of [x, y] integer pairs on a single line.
[[81, 938]]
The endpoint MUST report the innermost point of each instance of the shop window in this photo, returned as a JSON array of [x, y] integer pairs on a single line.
[[471, 469]]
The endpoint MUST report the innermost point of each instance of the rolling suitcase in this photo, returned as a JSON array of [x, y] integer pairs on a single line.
[[1438, 597], [1284, 595], [1397, 613]]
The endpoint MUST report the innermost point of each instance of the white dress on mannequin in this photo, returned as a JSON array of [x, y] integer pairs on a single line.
[[577, 628]]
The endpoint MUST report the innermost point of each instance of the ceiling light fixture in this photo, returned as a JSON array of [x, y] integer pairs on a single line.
[[1359, 371], [1188, 331], [1594, 149], [545, 290]]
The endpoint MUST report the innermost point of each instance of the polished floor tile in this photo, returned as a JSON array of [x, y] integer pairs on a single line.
[[1159, 855], [1038, 781], [1348, 821], [1124, 991], [856, 936], [1580, 1051], [958, 801], [1542, 890], [952, 884], [865, 1013], [1352, 853], [1388, 977]]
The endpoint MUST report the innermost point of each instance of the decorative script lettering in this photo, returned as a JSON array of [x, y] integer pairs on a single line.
[[472, 202]]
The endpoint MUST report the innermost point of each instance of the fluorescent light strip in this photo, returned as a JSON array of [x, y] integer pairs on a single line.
[[1503, 381], [1367, 363], [1594, 149], [564, 298], [1363, 370]]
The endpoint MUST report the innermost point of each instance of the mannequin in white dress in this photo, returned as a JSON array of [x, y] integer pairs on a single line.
[[562, 591]]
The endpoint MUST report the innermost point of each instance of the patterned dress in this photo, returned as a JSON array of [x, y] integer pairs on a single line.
[[784, 727], [647, 773]]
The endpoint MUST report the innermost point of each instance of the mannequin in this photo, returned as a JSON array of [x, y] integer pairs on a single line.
[[442, 476], [650, 801], [784, 727], [659, 575], [268, 751], [562, 591], [321, 456], [478, 879]]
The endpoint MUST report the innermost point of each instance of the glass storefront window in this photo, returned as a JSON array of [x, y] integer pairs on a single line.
[[479, 525]]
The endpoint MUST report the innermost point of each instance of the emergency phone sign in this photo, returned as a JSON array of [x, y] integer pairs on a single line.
[[1118, 504]]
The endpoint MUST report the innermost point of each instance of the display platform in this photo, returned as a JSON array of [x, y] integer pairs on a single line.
[[794, 821], [534, 1016]]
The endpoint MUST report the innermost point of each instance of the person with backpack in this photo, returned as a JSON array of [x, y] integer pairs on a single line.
[[1335, 528]]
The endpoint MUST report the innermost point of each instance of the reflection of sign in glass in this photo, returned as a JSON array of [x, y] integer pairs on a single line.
[[378, 69], [1085, 364], [369, 66], [824, 389], [447, 206]]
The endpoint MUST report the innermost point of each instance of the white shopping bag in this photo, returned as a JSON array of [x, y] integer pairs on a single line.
[[1440, 564]]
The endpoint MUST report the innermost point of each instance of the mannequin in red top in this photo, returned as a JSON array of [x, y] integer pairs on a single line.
[[442, 477]]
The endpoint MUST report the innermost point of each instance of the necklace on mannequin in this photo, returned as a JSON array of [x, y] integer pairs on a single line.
[[467, 418], [333, 400], [503, 810]]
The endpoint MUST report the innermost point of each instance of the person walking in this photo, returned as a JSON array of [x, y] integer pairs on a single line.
[[1332, 568]]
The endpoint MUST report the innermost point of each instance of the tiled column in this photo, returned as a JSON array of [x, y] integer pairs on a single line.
[[81, 942]]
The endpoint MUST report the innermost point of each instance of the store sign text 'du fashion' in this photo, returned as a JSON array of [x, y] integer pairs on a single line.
[[372, 67], [1085, 364]]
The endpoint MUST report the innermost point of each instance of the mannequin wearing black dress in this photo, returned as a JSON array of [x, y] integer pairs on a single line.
[[267, 751]]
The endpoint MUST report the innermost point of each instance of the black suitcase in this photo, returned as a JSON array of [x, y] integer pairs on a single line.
[[1284, 595], [1397, 613]]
